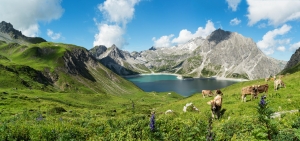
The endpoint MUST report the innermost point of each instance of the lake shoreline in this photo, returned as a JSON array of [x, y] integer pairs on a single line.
[[180, 77]]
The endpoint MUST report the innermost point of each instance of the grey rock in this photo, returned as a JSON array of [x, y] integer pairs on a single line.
[[294, 60]]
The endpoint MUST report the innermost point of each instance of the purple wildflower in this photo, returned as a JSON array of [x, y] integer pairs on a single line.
[[262, 102], [152, 122], [40, 118]]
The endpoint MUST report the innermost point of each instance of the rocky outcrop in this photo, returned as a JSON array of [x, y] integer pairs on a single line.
[[294, 60], [75, 63], [11, 35], [222, 53], [121, 62]]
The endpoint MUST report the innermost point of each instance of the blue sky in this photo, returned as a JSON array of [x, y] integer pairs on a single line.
[[136, 25]]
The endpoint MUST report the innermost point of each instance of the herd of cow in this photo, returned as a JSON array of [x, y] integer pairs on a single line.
[[254, 90]]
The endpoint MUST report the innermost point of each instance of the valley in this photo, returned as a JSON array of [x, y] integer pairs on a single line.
[[59, 91]]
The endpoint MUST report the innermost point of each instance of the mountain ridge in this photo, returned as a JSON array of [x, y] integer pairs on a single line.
[[222, 54], [11, 35]]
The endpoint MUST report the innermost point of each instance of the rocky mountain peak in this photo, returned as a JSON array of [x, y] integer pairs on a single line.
[[219, 35], [295, 59], [98, 50], [116, 52], [152, 48], [9, 34], [9, 29]]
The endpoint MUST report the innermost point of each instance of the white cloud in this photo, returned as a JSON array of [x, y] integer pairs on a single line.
[[281, 48], [109, 35], [233, 4], [185, 35], [25, 15], [277, 12], [235, 21], [117, 13], [262, 25], [294, 47], [269, 41], [163, 41], [52, 35]]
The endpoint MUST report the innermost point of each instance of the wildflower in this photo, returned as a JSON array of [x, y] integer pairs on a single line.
[[262, 102], [152, 122], [40, 118]]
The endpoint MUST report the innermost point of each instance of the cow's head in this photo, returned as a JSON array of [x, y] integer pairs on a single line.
[[219, 92], [213, 105], [254, 88]]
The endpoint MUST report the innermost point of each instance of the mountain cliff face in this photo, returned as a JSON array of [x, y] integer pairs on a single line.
[[11, 35], [121, 62], [294, 60], [223, 54]]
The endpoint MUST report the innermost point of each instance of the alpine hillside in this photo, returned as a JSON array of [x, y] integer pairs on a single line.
[[222, 54], [54, 67]]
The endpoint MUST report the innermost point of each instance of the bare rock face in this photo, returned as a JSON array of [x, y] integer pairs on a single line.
[[119, 61], [237, 55], [295, 59], [222, 54], [11, 35]]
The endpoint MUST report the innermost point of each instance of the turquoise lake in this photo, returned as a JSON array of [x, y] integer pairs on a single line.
[[163, 83]]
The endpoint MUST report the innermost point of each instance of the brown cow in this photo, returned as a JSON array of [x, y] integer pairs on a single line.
[[278, 83], [263, 88], [207, 93], [216, 105], [250, 90]]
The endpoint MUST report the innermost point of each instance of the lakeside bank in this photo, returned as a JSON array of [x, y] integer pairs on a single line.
[[189, 78]]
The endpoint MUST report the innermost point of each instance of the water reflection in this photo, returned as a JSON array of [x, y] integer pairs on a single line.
[[163, 83]]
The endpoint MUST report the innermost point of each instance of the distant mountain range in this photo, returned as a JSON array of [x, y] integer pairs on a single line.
[[222, 54]]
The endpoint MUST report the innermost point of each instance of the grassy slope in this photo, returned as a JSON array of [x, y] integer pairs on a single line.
[[47, 56], [116, 115]]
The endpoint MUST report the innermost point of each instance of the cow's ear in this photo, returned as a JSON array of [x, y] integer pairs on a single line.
[[209, 102]]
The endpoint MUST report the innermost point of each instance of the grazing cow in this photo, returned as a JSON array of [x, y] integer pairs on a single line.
[[267, 79], [263, 88], [278, 83], [207, 93], [216, 105], [280, 76], [250, 90]]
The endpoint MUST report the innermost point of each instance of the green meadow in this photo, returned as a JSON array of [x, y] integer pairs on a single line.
[[108, 107]]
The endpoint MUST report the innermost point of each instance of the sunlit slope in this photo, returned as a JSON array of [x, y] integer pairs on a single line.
[[57, 67], [284, 99]]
